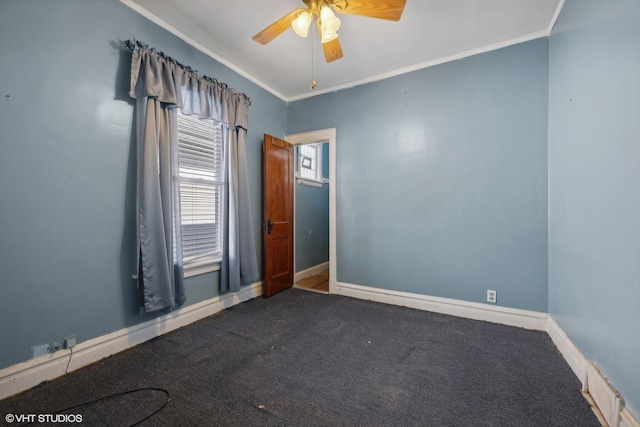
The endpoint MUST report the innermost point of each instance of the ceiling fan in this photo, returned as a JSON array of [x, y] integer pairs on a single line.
[[328, 24]]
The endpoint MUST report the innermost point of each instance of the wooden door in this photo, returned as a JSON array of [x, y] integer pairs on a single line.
[[278, 215]]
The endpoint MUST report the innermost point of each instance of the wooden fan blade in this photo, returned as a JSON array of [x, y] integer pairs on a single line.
[[381, 9], [332, 50], [277, 28]]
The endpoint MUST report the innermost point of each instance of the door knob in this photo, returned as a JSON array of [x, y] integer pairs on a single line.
[[270, 225]]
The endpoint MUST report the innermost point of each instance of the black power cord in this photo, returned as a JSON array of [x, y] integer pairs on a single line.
[[124, 393], [66, 371]]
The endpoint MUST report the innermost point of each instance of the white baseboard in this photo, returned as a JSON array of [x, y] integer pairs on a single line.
[[312, 271], [609, 403], [627, 419], [569, 351], [605, 396], [23, 376], [470, 310]]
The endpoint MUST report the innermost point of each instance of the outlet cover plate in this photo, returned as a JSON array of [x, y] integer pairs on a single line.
[[492, 296], [70, 342]]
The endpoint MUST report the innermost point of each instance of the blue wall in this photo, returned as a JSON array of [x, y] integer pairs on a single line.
[[442, 177], [594, 176], [312, 220], [67, 168]]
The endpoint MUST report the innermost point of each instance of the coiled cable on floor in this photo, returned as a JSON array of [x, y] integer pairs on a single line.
[[111, 396]]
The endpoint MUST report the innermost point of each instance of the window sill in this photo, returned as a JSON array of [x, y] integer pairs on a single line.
[[310, 183], [197, 270]]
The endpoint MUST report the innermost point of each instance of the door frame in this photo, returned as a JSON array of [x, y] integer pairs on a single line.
[[322, 136]]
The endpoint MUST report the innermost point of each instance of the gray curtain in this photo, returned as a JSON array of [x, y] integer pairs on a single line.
[[161, 85], [239, 264], [160, 275]]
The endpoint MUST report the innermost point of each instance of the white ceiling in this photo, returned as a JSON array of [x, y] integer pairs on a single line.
[[429, 32]]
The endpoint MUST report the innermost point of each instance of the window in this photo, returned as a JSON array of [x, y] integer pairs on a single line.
[[310, 164], [201, 192]]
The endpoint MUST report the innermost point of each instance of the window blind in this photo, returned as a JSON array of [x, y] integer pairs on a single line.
[[201, 189]]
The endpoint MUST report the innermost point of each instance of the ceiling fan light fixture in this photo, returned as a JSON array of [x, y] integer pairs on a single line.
[[329, 24], [301, 24], [327, 37]]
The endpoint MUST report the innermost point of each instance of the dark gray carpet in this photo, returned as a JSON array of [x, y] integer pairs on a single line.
[[313, 359]]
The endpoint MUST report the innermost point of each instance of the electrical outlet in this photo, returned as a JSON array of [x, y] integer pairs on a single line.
[[492, 296], [55, 346], [70, 341]]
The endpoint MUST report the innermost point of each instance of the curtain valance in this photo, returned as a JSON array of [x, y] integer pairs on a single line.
[[155, 75]]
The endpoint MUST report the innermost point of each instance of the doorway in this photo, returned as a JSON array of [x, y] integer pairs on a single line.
[[311, 213], [309, 273]]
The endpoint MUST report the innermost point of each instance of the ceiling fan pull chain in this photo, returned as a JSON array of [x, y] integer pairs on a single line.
[[313, 58]]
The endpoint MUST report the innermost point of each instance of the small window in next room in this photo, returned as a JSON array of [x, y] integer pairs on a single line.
[[201, 193], [310, 164]]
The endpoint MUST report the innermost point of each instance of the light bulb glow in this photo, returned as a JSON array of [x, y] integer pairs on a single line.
[[329, 24], [327, 37], [301, 24]]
